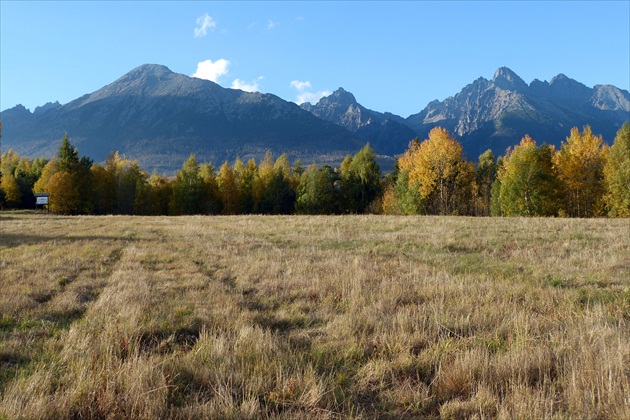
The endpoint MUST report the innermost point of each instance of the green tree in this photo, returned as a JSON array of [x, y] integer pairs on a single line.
[[486, 175], [245, 175], [316, 193], [529, 185], [495, 190], [160, 191], [617, 175], [360, 181], [68, 156], [126, 178], [212, 203], [188, 194], [278, 197]]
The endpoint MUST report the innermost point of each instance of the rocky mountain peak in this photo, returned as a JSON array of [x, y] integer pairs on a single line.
[[156, 70], [506, 79], [340, 97], [19, 109], [46, 107], [561, 81], [569, 91]]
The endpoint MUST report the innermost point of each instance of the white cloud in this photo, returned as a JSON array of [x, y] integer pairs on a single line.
[[247, 87], [304, 95], [204, 23], [300, 85], [311, 97], [271, 24], [210, 70]]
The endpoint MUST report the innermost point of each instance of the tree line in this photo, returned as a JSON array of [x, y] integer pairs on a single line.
[[584, 178]]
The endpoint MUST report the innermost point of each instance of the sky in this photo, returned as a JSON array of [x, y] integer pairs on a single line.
[[393, 56]]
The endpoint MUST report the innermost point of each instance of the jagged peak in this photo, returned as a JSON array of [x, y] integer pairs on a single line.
[[508, 80], [506, 72], [563, 80], [559, 78], [19, 108], [565, 84], [340, 96], [47, 106]]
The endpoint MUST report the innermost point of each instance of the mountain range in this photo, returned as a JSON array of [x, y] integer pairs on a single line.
[[160, 117], [495, 114]]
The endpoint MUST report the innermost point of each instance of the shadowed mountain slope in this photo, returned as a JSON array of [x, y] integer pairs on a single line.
[[160, 117]]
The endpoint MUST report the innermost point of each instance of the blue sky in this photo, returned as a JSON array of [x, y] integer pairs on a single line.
[[394, 56]]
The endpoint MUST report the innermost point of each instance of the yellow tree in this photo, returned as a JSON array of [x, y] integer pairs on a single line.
[[65, 197], [104, 190], [11, 189], [245, 175], [283, 165], [617, 175], [228, 190], [263, 178], [49, 170], [212, 203], [438, 171], [160, 190], [580, 167]]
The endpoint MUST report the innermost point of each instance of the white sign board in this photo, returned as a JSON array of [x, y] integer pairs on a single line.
[[41, 200]]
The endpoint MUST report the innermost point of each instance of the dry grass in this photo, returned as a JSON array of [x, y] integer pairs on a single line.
[[303, 317]]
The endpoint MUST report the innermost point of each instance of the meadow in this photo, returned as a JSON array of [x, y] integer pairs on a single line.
[[313, 317]]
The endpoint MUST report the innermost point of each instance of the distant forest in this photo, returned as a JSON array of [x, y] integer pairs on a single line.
[[584, 178]]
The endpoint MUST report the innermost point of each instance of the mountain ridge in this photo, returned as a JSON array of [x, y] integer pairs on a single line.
[[497, 113], [159, 117], [387, 133]]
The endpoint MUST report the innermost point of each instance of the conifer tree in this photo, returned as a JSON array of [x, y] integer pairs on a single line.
[[245, 175], [228, 190], [212, 203], [188, 189], [73, 192]]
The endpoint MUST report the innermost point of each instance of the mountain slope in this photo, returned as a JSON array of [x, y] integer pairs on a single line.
[[497, 113], [160, 117], [386, 133]]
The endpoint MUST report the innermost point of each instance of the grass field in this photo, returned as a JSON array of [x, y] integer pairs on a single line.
[[314, 317]]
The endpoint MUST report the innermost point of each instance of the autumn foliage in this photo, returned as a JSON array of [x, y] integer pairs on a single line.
[[584, 178], [439, 172]]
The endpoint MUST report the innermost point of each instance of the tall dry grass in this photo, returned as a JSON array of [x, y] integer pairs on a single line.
[[314, 317]]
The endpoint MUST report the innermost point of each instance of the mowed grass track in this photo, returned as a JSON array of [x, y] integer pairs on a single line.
[[313, 317]]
